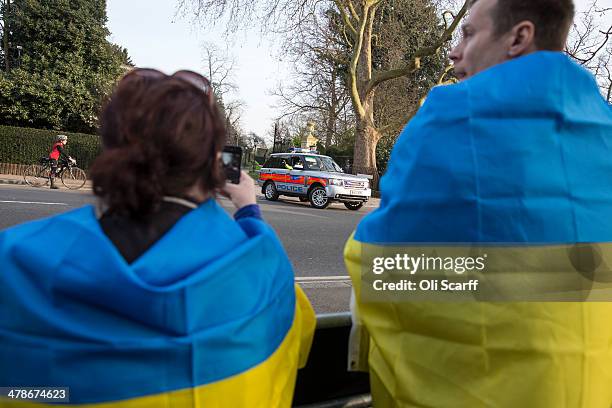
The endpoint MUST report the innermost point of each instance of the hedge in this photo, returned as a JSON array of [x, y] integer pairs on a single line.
[[26, 146]]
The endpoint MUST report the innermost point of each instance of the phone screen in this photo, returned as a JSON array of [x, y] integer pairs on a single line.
[[231, 158]]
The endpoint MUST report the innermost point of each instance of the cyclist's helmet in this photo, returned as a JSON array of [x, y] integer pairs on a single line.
[[61, 138]]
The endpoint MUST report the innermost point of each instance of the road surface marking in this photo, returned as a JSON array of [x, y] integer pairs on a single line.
[[31, 202], [269, 208], [319, 282], [314, 282], [321, 278]]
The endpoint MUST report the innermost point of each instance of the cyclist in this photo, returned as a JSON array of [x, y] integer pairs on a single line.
[[57, 152]]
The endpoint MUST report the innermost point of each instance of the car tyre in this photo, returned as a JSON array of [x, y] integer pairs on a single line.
[[270, 191], [318, 198], [353, 206]]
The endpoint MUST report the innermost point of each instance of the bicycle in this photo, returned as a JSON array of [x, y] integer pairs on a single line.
[[38, 175]]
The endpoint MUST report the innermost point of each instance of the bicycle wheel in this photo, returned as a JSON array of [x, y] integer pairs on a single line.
[[73, 178], [37, 175]]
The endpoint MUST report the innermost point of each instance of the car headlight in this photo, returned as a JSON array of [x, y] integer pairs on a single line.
[[335, 182]]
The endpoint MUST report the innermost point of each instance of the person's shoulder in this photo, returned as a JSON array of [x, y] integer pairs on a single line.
[[445, 105], [446, 95], [544, 81]]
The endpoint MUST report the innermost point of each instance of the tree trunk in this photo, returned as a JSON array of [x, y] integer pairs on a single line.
[[329, 131], [333, 111], [5, 35], [366, 134], [366, 140]]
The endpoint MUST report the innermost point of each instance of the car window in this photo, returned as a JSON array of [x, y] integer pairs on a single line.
[[297, 163], [278, 162], [272, 163], [322, 163], [312, 163], [283, 162], [269, 163], [331, 165]]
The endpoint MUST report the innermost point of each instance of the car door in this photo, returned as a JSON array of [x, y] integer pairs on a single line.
[[268, 172], [297, 176], [281, 175]]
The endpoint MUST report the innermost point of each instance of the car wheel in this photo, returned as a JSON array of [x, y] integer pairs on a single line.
[[303, 199], [270, 191], [318, 198], [352, 205]]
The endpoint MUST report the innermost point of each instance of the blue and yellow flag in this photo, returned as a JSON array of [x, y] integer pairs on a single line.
[[207, 317], [518, 159]]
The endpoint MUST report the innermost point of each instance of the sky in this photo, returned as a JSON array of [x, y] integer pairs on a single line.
[[156, 37]]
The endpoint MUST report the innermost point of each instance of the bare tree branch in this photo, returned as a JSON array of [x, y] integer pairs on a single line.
[[304, 24], [346, 18], [360, 111], [219, 67], [591, 46], [416, 60]]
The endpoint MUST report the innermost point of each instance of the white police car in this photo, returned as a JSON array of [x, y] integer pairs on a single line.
[[314, 178]]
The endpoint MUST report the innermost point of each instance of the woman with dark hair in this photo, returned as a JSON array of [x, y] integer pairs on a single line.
[[156, 297]]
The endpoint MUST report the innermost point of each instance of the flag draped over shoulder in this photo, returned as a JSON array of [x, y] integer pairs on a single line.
[[207, 317], [519, 156]]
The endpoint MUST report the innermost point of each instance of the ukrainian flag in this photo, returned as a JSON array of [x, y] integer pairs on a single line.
[[208, 317], [517, 158]]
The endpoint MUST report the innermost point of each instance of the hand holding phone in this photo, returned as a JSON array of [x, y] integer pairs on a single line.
[[242, 194], [231, 158]]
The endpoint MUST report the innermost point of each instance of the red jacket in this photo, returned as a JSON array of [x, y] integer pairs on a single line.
[[56, 151]]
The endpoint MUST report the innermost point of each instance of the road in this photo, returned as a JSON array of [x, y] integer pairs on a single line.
[[314, 239]]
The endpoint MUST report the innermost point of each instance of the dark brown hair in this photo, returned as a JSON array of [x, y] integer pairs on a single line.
[[552, 19], [161, 135]]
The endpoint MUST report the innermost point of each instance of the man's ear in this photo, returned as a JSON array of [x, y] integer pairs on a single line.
[[523, 39]]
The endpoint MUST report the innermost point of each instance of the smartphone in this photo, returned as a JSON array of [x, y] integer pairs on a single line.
[[231, 157]]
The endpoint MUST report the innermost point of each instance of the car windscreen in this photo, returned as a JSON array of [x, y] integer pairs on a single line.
[[322, 163]]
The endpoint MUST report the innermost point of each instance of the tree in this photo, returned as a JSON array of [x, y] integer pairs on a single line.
[[357, 20], [232, 113], [316, 94], [219, 69], [254, 141], [590, 45], [66, 66], [404, 26], [317, 90], [365, 78], [281, 137], [605, 74], [5, 9], [123, 55]]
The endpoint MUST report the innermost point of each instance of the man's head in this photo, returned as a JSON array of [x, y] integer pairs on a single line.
[[499, 30], [63, 139]]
